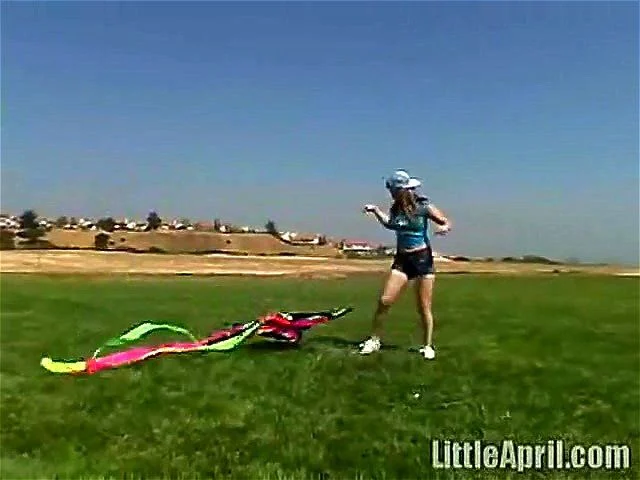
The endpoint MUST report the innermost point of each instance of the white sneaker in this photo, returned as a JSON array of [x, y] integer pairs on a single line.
[[371, 345], [428, 352]]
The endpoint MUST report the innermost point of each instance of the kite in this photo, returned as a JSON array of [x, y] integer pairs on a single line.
[[280, 326], [288, 327]]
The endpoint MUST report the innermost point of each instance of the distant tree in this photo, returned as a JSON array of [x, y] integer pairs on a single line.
[[154, 221], [322, 240], [271, 227], [73, 221], [217, 224], [107, 224], [29, 227], [61, 221], [101, 241], [186, 222], [29, 220]]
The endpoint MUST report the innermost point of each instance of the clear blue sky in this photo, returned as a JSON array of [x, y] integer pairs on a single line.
[[521, 118]]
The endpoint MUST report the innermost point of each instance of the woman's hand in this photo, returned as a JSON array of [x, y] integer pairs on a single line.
[[371, 209], [443, 229], [377, 213]]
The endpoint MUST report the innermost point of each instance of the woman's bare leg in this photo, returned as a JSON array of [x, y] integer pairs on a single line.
[[396, 281], [424, 294]]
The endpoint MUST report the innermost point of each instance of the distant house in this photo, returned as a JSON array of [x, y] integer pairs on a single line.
[[7, 223], [302, 238], [356, 246], [87, 224], [135, 226]]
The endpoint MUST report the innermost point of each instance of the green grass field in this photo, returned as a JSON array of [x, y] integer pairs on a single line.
[[529, 359]]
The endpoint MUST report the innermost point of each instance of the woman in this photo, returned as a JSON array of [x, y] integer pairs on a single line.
[[409, 218]]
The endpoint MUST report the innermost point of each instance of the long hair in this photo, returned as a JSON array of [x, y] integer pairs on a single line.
[[404, 201]]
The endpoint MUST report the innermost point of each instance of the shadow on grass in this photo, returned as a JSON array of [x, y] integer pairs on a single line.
[[270, 346], [339, 342], [312, 344]]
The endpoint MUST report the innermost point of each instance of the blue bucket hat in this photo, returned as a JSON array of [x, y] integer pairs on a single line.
[[400, 179]]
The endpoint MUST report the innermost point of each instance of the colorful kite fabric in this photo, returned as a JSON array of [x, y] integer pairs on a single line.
[[225, 340], [288, 327], [285, 327]]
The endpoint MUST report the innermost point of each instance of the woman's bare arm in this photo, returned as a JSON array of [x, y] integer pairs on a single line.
[[440, 218], [382, 217]]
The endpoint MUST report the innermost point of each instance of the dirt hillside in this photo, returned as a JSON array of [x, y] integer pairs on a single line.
[[189, 242]]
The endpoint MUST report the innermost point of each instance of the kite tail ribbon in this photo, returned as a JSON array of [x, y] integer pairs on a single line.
[[223, 340], [138, 332]]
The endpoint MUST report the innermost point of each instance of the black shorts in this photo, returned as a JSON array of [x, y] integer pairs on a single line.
[[415, 264]]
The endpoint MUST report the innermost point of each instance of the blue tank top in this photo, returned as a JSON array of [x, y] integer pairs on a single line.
[[411, 231]]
